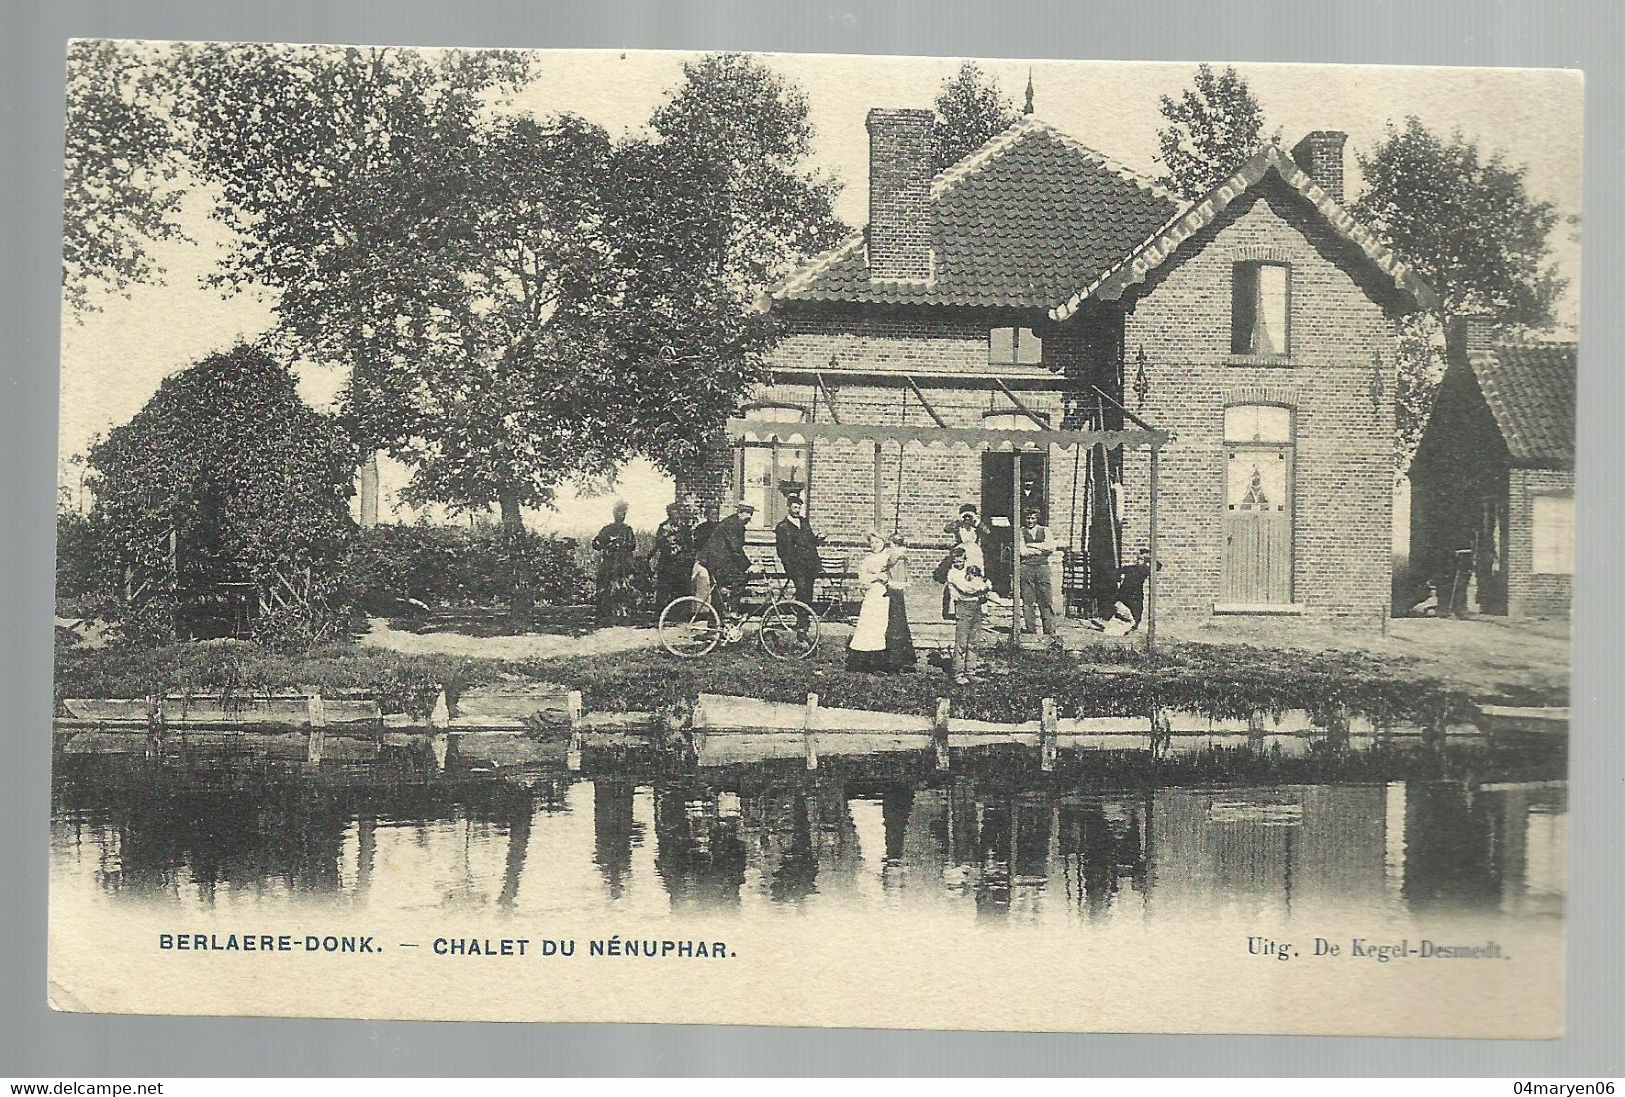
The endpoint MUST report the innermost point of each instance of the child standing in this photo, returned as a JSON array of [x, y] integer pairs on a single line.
[[968, 588]]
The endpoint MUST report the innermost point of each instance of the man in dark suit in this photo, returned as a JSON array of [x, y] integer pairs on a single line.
[[724, 556], [797, 546]]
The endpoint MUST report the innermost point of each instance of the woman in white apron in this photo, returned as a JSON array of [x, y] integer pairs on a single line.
[[867, 650]]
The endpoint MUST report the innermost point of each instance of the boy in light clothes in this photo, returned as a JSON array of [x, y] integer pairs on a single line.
[[969, 589]]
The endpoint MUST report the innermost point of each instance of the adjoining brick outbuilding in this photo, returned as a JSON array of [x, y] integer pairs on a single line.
[[1039, 283], [1492, 481]]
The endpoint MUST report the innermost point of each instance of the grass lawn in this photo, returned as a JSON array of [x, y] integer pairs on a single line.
[[1217, 679], [1223, 679]]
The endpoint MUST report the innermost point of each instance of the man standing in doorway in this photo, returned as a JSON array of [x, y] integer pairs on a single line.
[[1036, 589], [797, 547]]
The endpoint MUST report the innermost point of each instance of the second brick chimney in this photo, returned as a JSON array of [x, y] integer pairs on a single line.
[[1320, 155], [901, 167]]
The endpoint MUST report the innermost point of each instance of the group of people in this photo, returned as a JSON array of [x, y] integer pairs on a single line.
[[704, 558], [707, 559]]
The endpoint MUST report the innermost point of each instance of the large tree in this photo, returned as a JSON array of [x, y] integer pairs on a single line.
[[1212, 127], [1465, 222], [349, 178], [504, 402], [971, 109], [1468, 225], [334, 169], [122, 177], [716, 204]]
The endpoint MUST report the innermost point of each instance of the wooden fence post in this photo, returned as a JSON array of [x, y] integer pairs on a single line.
[[439, 721], [1015, 548], [809, 731], [572, 755], [1048, 724], [316, 713]]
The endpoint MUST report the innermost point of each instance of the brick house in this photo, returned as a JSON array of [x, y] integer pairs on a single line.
[[1038, 284], [1492, 481]]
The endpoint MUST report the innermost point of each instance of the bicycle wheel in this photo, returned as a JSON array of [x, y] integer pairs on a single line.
[[689, 627], [781, 634]]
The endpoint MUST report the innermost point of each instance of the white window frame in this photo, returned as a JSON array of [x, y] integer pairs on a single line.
[[1551, 548]]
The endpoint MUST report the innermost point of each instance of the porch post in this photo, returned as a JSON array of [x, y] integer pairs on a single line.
[[1015, 548], [1151, 545], [879, 491]]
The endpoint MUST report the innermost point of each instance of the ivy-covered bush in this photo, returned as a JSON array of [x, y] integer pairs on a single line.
[[225, 476], [394, 565], [78, 573]]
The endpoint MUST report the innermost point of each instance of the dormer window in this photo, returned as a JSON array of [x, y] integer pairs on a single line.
[[1259, 309], [1014, 347]]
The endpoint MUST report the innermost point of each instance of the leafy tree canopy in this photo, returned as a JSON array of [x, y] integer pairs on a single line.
[[1470, 228], [971, 110], [122, 190], [1466, 223], [337, 169], [1212, 128], [715, 206]]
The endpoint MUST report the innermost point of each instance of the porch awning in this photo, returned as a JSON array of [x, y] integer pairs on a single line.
[[968, 438]]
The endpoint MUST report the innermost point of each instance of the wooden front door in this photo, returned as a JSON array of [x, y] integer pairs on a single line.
[[1257, 507]]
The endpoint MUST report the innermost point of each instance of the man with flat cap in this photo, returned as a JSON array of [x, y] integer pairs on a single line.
[[724, 555]]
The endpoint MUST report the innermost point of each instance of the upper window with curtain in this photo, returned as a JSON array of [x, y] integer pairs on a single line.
[[1260, 309], [1014, 347]]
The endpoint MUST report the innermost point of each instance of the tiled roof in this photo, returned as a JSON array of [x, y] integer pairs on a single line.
[[1020, 223], [1151, 252], [1530, 390]]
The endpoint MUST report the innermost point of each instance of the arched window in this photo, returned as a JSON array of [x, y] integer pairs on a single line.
[[1258, 423]]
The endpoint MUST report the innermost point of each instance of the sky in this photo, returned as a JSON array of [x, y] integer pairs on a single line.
[[113, 360]]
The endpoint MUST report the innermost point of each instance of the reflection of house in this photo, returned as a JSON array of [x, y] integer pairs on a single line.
[[1289, 845], [1038, 283], [1493, 477]]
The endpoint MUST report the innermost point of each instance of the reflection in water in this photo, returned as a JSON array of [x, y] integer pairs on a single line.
[[998, 848]]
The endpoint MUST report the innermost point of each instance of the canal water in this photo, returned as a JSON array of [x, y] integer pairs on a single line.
[[987, 843]]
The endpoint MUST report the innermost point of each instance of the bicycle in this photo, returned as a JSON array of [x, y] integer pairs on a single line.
[[691, 627]]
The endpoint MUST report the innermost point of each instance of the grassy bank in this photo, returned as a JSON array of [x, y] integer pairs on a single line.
[[1219, 679], [402, 683]]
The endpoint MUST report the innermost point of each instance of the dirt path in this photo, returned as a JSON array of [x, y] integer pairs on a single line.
[[1483, 656]]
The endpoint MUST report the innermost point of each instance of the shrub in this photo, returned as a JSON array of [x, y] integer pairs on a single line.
[[225, 474], [78, 568], [448, 566]]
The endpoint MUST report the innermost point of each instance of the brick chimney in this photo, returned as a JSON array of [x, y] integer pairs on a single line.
[[901, 166], [1320, 155], [1466, 333]]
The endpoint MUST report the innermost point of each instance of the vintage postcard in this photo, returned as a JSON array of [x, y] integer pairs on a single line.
[[814, 540]]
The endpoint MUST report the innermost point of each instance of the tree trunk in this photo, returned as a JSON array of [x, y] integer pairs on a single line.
[[513, 529]]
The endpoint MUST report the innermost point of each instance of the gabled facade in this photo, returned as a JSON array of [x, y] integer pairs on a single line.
[[1492, 481], [1039, 282]]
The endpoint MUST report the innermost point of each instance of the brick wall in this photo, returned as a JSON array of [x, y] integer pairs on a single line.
[[1528, 593], [1343, 496], [919, 492]]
